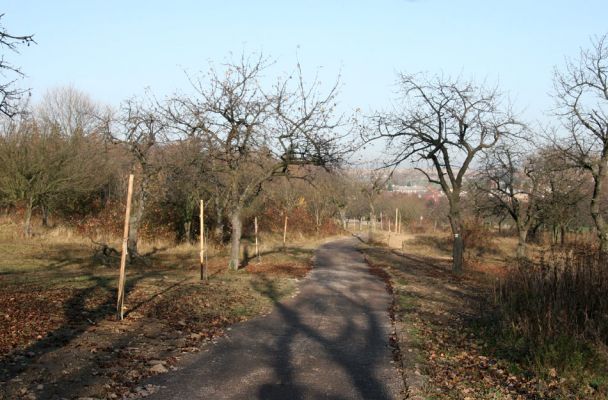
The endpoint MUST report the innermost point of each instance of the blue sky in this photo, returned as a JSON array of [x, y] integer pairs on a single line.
[[114, 49]]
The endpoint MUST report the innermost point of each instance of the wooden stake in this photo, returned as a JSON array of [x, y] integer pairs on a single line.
[[204, 276], [285, 232], [257, 250], [123, 257], [396, 218]]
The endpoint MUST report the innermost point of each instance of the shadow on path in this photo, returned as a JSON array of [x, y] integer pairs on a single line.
[[330, 342]]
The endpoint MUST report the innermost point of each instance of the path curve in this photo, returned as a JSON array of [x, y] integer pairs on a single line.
[[329, 342]]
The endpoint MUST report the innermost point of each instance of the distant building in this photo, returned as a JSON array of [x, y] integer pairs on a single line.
[[428, 192], [416, 189]]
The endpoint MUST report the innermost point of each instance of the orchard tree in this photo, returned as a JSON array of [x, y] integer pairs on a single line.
[[375, 183], [139, 127], [10, 95], [442, 124], [581, 94], [511, 179], [254, 132], [565, 192]]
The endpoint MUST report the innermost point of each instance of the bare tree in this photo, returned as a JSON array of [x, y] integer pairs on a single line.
[[69, 113], [581, 94], [444, 123], [375, 183], [39, 165], [139, 127], [326, 198], [253, 134], [10, 95], [562, 194], [512, 180]]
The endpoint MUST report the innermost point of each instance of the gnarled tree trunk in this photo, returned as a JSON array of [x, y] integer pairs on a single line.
[[522, 235], [458, 245], [596, 212], [235, 238], [136, 217], [27, 219]]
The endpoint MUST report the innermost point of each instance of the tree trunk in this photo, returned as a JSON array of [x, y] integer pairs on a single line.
[[188, 231], [135, 219], [343, 218], [235, 239], [522, 234], [458, 254], [218, 231], [372, 216], [596, 213], [458, 246], [562, 235], [45, 215], [27, 221]]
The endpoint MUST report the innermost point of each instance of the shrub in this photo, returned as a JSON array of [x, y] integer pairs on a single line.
[[553, 312]]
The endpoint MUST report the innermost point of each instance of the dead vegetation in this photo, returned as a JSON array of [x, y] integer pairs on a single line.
[[58, 303], [536, 335]]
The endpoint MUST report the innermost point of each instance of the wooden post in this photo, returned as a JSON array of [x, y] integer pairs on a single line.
[[257, 250], [285, 232], [123, 257], [396, 218], [381, 222], [204, 275]]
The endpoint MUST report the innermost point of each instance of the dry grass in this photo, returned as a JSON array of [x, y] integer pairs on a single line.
[[540, 334], [58, 301], [551, 314]]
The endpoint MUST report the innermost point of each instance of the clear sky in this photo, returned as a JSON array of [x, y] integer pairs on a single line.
[[114, 49]]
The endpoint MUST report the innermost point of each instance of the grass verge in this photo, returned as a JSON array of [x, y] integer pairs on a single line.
[[449, 347]]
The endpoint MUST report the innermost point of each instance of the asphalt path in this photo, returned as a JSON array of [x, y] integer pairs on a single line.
[[331, 341]]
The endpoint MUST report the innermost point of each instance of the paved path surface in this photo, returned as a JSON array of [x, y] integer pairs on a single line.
[[329, 342]]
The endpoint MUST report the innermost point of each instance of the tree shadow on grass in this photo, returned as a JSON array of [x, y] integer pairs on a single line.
[[85, 307]]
